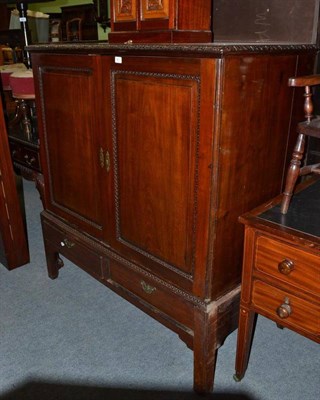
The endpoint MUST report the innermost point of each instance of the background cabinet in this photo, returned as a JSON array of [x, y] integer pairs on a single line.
[[148, 162], [161, 21], [87, 13]]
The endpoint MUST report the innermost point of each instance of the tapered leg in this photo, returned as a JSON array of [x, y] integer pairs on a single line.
[[245, 332], [205, 351], [293, 173], [212, 324]]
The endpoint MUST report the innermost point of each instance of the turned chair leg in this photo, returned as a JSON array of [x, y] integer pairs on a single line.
[[293, 173]]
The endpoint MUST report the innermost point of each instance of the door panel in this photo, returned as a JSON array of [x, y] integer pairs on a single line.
[[153, 9], [125, 10], [155, 194], [156, 151], [71, 140]]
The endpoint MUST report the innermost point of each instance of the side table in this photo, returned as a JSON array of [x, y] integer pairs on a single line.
[[281, 269]]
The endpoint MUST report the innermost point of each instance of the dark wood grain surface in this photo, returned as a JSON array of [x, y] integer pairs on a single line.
[[13, 239], [150, 154]]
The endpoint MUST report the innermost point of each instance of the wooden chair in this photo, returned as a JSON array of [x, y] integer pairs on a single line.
[[310, 127], [55, 30], [74, 29]]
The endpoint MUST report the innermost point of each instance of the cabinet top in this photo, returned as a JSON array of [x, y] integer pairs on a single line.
[[214, 50]]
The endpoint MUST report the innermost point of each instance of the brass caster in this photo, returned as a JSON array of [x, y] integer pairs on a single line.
[[237, 378]]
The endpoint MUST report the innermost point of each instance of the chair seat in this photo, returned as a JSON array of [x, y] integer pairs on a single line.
[[22, 85], [311, 128], [7, 70]]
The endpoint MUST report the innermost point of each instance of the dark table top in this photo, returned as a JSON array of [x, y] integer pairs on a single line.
[[303, 214]]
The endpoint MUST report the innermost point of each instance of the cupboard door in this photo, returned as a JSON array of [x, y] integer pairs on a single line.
[[135, 15], [71, 145], [161, 148], [156, 14], [124, 10], [155, 9]]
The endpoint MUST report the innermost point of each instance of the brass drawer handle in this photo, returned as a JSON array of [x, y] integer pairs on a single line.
[[147, 288], [104, 159], [66, 242], [107, 161], [284, 311], [101, 157], [285, 267]]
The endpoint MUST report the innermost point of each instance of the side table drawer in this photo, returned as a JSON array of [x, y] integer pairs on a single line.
[[304, 315], [288, 263]]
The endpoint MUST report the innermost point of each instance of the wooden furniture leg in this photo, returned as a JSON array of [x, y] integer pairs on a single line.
[[205, 350], [211, 326], [54, 262], [293, 173], [245, 334]]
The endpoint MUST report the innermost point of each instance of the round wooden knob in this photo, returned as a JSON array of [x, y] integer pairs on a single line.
[[285, 267], [284, 311]]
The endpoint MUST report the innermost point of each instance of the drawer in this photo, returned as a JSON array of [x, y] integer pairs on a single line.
[[157, 295], [74, 249], [298, 267], [25, 156], [304, 315]]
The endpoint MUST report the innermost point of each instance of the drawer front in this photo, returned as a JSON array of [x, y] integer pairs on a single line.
[[74, 249], [288, 264], [170, 303], [304, 315]]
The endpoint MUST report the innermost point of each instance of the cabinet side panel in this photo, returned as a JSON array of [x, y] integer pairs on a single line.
[[255, 124]]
